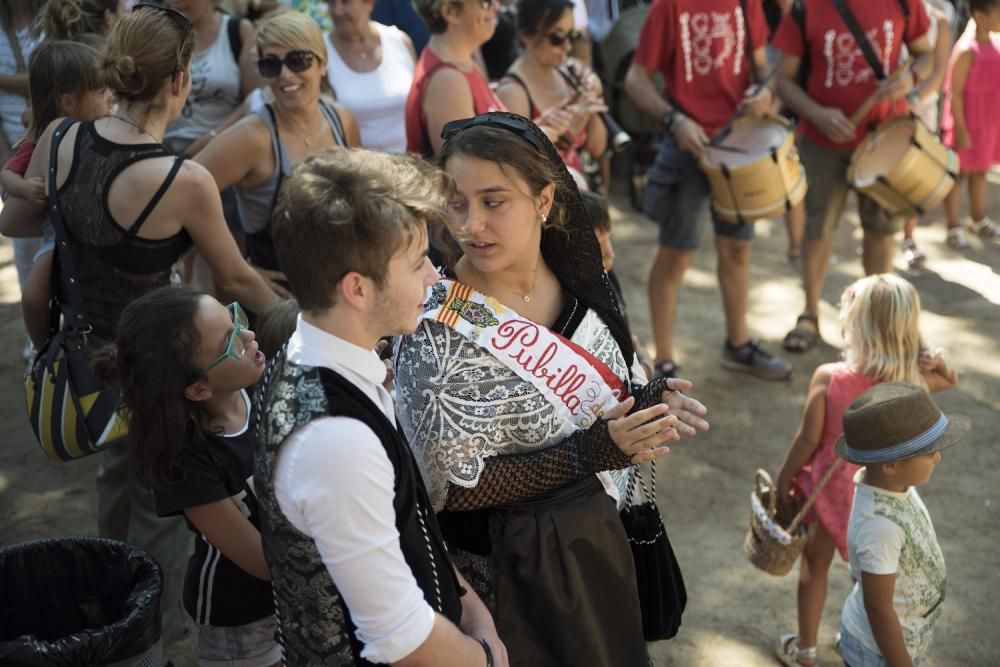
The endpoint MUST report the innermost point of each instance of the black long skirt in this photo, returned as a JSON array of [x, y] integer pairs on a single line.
[[564, 582]]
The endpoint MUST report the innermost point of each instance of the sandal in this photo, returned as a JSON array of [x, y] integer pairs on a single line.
[[802, 338], [914, 258], [956, 239], [788, 652], [985, 228]]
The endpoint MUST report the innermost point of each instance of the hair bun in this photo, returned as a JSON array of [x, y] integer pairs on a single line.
[[123, 75]]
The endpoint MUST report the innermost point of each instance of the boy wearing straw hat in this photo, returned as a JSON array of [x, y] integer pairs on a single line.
[[897, 432]]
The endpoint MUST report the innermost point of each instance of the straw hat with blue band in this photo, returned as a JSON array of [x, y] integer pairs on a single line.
[[893, 421]]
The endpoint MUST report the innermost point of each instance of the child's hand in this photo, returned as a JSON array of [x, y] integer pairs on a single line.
[[963, 140], [934, 362], [33, 189], [784, 483]]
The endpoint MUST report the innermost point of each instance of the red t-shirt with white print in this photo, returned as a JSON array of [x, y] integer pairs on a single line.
[[839, 76], [700, 48]]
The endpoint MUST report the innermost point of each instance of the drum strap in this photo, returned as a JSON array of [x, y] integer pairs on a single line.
[[862, 39]]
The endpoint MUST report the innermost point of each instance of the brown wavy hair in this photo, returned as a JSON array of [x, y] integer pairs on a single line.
[[351, 210], [153, 360], [68, 19]]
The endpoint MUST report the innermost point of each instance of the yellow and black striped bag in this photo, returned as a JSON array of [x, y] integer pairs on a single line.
[[71, 413]]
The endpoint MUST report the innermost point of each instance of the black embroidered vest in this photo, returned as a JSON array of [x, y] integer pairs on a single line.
[[314, 624]]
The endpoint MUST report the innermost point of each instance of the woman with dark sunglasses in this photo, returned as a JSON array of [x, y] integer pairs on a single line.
[[185, 363], [559, 93], [450, 81], [132, 210], [258, 152]]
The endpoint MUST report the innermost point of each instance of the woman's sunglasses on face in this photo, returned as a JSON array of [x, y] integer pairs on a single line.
[[236, 348], [296, 61], [573, 36]]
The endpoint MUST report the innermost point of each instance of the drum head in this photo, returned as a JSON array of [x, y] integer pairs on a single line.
[[754, 139], [881, 151]]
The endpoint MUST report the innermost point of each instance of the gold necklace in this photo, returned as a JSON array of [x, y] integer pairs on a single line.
[[129, 121], [526, 297], [304, 138]]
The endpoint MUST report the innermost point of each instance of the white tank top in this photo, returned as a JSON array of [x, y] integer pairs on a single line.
[[377, 98], [215, 91]]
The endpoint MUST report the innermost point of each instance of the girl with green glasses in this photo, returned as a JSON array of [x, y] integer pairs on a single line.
[[184, 363]]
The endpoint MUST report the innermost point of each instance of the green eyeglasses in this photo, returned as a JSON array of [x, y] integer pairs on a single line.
[[237, 346]]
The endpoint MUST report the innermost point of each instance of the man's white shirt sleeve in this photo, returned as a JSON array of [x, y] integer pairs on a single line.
[[334, 482]]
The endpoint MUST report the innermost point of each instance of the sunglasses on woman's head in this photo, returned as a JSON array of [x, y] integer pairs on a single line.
[[171, 13], [573, 36], [296, 61], [236, 348], [485, 5]]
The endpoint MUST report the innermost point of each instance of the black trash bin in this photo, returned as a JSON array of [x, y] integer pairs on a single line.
[[79, 601]]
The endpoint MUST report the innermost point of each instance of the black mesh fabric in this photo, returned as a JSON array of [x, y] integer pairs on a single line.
[[517, 478]]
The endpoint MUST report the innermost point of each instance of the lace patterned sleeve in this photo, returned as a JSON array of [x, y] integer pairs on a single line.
[[521, 477]]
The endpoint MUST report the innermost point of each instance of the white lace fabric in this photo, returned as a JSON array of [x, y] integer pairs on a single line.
[[458, 404]]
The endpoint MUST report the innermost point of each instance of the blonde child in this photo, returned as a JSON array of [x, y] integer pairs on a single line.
[[971, 124], [64, 80], [897, 432], [185, 363], [880, 319]]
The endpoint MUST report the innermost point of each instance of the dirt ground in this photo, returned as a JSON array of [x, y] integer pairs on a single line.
[[734, 611]]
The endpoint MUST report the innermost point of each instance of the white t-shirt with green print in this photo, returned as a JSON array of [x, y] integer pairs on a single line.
[[892, 533]]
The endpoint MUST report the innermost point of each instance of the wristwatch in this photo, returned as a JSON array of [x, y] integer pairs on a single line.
[[670, 118]]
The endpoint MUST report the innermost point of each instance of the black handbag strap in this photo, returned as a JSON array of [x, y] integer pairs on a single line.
[[73, 297]]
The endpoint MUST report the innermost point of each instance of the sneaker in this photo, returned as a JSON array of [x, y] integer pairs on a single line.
[[985, 228], [914, 258], [751, 358], [665, 369], [956, 239]]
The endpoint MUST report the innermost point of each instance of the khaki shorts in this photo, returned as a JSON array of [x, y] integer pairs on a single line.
[[826, 169]]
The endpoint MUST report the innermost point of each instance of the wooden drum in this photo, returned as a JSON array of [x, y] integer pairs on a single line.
[[754, 171], [903, 167]]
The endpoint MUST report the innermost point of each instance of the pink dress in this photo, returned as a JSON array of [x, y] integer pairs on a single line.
[[833, 506], [982, 99]]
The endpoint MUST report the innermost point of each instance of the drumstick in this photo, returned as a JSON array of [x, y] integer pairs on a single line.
[[731, 149], [866, 106], [724, 132]]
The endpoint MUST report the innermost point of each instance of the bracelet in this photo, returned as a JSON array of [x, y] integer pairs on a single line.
[[489, 653]]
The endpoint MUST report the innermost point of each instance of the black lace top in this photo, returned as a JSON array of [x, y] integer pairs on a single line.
[[114, 264]]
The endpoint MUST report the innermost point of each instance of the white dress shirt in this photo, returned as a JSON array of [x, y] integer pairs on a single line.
[[334, 482]]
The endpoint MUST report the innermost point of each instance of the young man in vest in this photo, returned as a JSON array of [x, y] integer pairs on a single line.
[[838, 80], [359, 569], [703, 49]]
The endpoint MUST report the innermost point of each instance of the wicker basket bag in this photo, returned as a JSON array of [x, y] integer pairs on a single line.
[[776, 535]]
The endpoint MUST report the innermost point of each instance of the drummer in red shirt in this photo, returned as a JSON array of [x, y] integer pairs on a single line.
[[701, 48], [838, 81]]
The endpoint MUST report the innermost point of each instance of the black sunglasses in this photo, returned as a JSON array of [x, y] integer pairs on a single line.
[[296, 61], [171, 13], [522, 127], [573, 36], [175, 16]]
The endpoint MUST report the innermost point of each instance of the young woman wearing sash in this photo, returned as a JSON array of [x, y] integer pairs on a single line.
[[501, 390]]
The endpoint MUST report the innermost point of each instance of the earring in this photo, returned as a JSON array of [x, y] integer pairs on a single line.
[[544, 218]]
